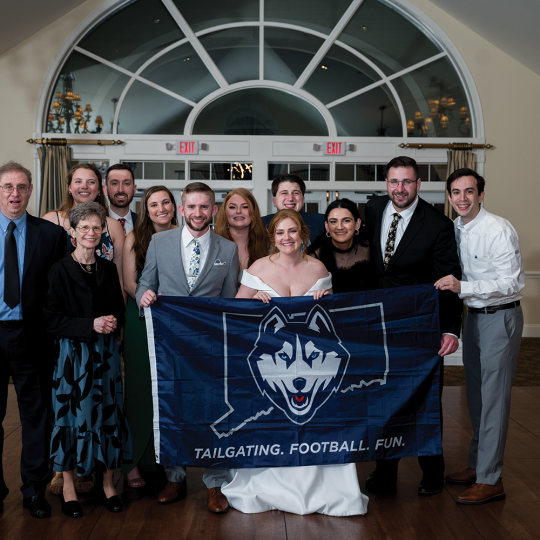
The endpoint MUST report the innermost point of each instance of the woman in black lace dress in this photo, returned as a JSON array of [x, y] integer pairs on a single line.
[[344, 249]]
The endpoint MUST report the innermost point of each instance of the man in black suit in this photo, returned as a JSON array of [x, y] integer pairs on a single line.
[[288, 191], [411, 243], [120, 189], [29, 247]]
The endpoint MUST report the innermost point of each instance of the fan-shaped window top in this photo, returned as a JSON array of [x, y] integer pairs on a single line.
[[152, 66]]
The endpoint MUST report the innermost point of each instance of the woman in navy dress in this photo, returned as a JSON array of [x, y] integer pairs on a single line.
[[85, 311]]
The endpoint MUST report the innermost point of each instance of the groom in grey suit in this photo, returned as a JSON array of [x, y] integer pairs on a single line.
[[191, 261]]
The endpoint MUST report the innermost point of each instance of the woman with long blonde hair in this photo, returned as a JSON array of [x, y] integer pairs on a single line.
[[239, 220]]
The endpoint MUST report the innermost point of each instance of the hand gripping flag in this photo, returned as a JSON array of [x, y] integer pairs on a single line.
[[351, 377]]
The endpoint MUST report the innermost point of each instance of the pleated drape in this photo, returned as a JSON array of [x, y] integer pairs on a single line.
[[55, 162], [457, 159]]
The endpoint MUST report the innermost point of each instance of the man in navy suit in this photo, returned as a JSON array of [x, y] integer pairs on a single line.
[[288, 191], [120, 189], [29, 246]]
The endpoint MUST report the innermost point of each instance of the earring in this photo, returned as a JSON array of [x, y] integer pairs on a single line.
[[328, 234], [357, 232]]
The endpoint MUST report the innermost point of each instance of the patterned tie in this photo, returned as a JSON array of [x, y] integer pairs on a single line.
[[194, 263], [123, 223], [12, 286], [389, 250]]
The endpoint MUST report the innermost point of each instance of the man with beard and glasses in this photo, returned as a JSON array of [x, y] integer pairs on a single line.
[[120, 189], [210, 269], [411, 243]]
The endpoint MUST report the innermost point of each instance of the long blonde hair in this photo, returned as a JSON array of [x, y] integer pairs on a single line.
[[258, 243]]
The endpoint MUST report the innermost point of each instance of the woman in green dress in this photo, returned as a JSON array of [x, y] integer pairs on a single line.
[[157, 213]]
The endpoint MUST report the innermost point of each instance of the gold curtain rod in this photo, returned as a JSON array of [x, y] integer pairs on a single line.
[[65, 142], [449, 146]]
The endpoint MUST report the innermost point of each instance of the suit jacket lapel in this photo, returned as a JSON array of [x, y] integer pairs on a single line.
[[416, 223], [213, 247], [177, 249], [376, 238], [32, 236]]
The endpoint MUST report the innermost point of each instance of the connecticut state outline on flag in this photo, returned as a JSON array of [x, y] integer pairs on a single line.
[[348, 378]]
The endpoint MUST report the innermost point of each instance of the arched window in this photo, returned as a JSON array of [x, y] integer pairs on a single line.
[[348, 68]]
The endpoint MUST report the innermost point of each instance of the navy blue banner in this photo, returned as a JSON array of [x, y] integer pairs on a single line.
[[351, 377]]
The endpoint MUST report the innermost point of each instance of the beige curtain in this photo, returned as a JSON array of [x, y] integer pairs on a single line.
[[55, 162], [457, 159]]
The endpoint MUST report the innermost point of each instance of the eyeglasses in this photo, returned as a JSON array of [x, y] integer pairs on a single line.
[[21, 189], [406, 183], [86, 229]]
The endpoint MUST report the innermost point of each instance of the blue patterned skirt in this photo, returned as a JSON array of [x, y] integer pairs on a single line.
[[90, 433]]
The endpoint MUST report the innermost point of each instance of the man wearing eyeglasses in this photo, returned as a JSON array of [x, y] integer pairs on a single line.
[[411, 243], [29, 246]]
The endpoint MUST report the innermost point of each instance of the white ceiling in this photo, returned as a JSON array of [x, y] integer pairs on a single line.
[[511, 25]]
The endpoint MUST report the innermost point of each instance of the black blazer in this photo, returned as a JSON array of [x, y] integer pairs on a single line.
[[69, 307], [134, 218], [426, 252], [45, 245]]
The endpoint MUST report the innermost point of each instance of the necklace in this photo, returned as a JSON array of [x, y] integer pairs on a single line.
[[86, 267], [337, 250]]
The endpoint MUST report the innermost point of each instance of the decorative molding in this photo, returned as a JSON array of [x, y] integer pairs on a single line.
[[533, 274]]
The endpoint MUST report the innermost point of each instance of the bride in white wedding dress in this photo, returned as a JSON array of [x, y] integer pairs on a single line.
[[324, 489]]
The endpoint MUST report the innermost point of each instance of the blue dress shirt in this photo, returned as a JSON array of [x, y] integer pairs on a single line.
[[6, 313]]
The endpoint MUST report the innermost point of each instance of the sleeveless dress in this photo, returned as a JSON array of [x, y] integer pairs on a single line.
[[324, 489]]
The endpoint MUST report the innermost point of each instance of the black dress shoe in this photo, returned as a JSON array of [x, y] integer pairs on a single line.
[[114, 504], [381, 484], [38, 505], [72, 509], [431, 486]]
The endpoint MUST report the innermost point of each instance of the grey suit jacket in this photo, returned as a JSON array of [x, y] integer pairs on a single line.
[[164, 270]]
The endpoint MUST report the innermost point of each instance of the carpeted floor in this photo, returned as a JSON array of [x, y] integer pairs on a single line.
[[528, 368]]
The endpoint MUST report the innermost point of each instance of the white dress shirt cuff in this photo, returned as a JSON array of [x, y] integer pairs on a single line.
[[466, 289]]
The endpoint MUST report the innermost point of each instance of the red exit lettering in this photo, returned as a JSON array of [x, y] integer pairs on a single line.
[[186, 147], [335, 148]]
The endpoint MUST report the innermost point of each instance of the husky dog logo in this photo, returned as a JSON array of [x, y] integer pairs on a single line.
[[298, 365]]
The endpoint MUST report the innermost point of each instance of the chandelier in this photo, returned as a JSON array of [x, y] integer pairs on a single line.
[[67, 112]]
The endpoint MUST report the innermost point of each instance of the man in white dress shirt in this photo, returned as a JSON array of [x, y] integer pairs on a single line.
[[120, 189], [493, 277]]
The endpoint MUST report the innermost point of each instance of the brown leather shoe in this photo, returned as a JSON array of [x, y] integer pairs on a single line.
[[217, 502], [468, 476], [482, 493], [172, 492]]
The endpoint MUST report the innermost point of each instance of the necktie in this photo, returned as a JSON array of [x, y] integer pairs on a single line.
[[12, 288], [123, 223], [194, 263], [390, 243]]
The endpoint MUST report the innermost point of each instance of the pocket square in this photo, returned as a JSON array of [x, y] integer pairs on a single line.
[[217, 262]]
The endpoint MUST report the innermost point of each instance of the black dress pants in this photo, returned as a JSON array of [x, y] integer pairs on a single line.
[[32, 378]]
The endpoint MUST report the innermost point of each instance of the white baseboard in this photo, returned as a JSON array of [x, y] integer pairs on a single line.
[[531, 330]]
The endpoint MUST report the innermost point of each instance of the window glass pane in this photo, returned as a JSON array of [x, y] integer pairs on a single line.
[[235, 52], [277, 169], [199, 171], [183, 72], [344, 172], [208, 13], [260, 111], [434, 102], [424, 172], [221, 171], [175, 171], [148, 111], [339, 74], [361, 116], [311, 208], [287, 53], [133, 34], [365, 173], [242, 171], [438, 173], [301, 169], [136, 167], [315, 14], [387, 38], [319, 172], [94, 85], [153, 170]]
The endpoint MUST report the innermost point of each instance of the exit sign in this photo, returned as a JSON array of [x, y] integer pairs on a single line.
[[187, 147], [334, 148]]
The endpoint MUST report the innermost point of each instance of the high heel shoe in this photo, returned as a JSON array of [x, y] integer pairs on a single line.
[[113, 504], [72, 509]]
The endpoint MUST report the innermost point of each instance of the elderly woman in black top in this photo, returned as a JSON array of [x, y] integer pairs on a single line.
[[344, 249], [85, 311]]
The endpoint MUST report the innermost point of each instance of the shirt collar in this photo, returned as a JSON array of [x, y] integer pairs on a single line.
[[20, 222], [127, 217], [472, 224], [405, 214], [187, 237]]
